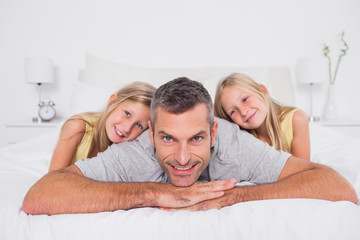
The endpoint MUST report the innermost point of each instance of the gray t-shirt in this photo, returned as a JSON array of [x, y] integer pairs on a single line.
[[236, 154]]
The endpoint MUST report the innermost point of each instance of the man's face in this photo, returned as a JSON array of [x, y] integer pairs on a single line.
[[183, 142]]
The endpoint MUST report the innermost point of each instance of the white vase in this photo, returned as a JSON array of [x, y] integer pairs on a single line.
[[330, 106]]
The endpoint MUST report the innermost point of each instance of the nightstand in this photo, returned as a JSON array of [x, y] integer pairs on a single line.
[[18, 131], [349, 127]]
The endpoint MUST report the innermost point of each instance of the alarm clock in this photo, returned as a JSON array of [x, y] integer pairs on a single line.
[[47, 111]]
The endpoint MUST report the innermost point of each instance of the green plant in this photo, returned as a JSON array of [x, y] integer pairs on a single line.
[[326, 51]]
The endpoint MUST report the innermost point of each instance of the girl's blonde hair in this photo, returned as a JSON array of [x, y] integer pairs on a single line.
[[137, 92], [276, 112]]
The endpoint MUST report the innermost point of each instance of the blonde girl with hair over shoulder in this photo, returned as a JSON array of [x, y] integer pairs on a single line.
[[241, 100], [84, 135]]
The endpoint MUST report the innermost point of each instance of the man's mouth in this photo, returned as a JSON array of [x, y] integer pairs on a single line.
[[183, 170]]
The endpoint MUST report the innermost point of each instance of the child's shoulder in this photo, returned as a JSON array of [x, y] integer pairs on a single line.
[[293, 117], [73, 127], [287, 113], [299, 117]]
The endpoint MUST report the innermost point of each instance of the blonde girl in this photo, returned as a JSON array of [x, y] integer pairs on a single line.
[[241, 100], [85, 135]]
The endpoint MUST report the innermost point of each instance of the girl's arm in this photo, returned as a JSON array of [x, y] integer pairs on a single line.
[[300, 146], [70, 137]]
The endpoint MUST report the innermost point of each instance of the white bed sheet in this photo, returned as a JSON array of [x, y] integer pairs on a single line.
[[22, 164]]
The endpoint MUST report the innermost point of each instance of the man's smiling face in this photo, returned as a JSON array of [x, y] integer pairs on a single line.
[[182, 142]]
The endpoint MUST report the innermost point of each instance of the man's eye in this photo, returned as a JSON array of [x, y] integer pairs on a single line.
[[168, 139], [245, 99], [127, 113], [197, 138], [139, 125]]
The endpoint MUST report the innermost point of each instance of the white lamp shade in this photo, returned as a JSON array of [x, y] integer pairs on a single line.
[[312, 70], [39, 70]]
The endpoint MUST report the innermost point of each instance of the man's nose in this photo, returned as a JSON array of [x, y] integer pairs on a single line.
[[183, 155]]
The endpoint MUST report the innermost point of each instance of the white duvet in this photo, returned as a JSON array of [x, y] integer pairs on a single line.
[[22, 164]]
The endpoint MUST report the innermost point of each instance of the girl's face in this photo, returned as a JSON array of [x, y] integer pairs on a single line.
[[127, 121], [246, 110]]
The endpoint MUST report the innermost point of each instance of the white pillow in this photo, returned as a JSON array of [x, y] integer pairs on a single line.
[[102, 72], [89, 98], [210, 85]]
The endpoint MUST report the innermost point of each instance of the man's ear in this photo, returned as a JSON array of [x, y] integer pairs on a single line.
[[112, 97], [151, 134], [213, 133], [264, 89]]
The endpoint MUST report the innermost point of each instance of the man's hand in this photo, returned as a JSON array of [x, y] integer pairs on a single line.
[[170, 196], [229, 198]]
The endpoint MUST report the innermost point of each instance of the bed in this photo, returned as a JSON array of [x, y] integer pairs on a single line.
[[22, 164]]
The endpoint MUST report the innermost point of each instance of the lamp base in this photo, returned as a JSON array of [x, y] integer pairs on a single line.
[[36, 119], [314, 119]]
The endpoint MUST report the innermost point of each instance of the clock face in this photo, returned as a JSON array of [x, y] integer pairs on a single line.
[[47, 112]]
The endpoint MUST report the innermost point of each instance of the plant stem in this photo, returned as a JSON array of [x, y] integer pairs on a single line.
[[331, 79], [339, 58], [326, 52]]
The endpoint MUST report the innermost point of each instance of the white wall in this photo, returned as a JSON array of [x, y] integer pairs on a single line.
[[171, 33]]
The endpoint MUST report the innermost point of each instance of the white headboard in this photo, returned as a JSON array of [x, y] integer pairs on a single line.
[[108, 76]]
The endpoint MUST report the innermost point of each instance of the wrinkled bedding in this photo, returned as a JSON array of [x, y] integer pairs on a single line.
[[22, 164]]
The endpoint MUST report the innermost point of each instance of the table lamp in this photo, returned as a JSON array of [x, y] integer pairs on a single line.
[[39, 70], [312, 71]]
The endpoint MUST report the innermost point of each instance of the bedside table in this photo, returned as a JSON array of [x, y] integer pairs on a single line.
[[349, 127], [18, 131]]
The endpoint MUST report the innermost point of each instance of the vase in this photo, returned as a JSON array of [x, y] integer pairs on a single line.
[[330, 105]]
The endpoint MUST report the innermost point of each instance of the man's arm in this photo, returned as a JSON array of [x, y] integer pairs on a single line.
[[298, 179], [68, 191]]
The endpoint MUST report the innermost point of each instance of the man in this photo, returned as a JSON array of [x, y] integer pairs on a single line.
[[184, 144]]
